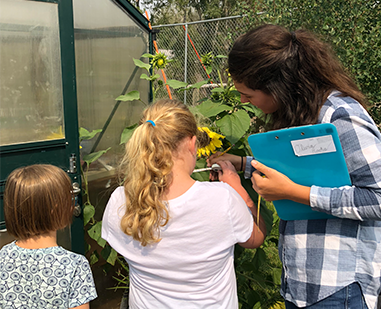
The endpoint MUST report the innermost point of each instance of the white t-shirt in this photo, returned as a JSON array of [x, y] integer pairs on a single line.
[[192, 265]]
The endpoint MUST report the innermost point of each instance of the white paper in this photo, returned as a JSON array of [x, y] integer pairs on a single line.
[[312, 146]]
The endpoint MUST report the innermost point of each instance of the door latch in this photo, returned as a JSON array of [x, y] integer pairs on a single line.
[[76, 190]]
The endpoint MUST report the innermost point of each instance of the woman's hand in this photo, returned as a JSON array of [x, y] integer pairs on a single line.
[[237, 161], [273, 185]]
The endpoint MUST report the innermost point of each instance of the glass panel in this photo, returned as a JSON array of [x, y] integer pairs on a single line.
[[106, 41], [31, 107]]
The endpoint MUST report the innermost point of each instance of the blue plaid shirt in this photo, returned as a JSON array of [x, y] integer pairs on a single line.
[[320, 257]]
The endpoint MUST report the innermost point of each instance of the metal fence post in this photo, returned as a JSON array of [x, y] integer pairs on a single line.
[[186, 61]]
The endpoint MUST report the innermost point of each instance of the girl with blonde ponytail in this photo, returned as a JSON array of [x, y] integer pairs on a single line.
[[147, 167], [177, 234]]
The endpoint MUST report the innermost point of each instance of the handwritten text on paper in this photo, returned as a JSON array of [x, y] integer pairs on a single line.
[[312, 146]]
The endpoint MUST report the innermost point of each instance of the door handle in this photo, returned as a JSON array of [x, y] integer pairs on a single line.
[[75, 188]]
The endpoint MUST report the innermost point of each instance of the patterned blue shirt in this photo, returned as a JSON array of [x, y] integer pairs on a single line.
[[44, 278], [320, 257]]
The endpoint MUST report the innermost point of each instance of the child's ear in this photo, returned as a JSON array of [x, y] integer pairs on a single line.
[[193, 144]]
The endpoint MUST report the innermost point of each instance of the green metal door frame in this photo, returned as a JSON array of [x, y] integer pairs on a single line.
[[69, 89], [57, 152]]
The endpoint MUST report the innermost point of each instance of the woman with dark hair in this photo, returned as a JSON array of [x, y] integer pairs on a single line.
[[297, 80]]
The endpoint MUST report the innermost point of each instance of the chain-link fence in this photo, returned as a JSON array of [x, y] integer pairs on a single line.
[[186, 43]]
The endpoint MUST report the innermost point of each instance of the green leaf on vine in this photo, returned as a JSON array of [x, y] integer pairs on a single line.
[[147, 55], [277, 274], [95, 231], [218, 90], [211, 109], [176, 84], [127, 133], [142, 64], [150, 78], [234, 125], [112, 257], [131, 96], [109, 254], [198, 85], [88, 213], [84, 134], [91, 157], [101, 242], [94, 258]]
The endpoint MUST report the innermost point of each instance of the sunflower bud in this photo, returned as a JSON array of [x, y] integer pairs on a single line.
[[159, 61]]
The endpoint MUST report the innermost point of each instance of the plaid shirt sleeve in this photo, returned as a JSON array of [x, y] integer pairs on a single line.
[[361, 142]]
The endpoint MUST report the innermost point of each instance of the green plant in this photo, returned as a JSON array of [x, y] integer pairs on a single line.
[[92, 226]]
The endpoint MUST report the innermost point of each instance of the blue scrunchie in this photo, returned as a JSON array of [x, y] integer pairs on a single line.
[[151, 122]]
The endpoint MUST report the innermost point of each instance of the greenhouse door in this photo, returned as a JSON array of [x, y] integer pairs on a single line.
[[38, 107]]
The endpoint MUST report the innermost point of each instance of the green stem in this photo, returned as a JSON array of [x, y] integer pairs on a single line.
[[220, 77]]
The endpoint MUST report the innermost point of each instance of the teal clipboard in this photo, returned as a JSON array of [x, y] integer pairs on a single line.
[[308, 155]]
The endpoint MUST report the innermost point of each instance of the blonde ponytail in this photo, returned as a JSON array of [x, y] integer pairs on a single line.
[[147, 167]]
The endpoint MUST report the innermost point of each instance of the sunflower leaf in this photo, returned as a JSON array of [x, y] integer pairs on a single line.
[[84, 134], [234, 126], [142, 64], [175, 84], [88, 213], [127, 133], [147, 55], [131, 96], [91, 157], [210, 109], [198, 85], [150, 78]]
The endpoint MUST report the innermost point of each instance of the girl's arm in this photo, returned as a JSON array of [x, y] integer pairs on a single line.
[[84, 306], [230, 176]]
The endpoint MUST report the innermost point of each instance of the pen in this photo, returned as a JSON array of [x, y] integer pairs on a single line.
[[259, 206], [258, 210], [225, 151]]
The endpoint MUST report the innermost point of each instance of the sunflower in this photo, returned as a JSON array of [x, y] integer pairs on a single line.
[[214, 142], [159, 61], [207, 59]]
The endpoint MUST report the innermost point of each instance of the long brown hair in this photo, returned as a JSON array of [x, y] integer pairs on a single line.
[[37, 200], [296, 68], [147, 167]]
